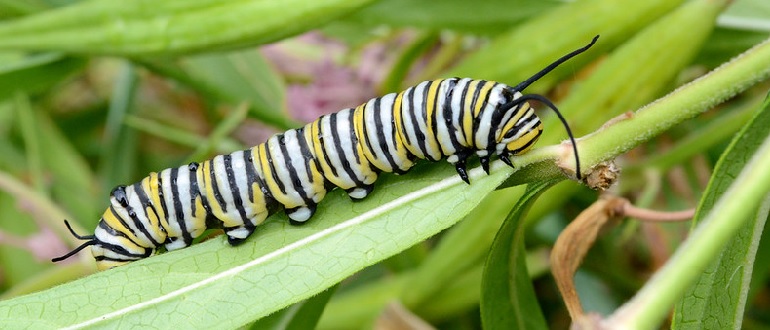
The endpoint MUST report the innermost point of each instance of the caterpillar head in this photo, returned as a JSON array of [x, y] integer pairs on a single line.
[[114, 241], [519, 127], [107, 255]]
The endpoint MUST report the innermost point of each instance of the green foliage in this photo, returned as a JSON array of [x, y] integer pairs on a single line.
[[252, 280], [139, 28], [722, 289], [302, 315], [734, 209], [186, 80], [488, 17], [507, 296]]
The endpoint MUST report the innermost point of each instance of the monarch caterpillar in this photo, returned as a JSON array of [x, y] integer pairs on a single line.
[[453, 118]]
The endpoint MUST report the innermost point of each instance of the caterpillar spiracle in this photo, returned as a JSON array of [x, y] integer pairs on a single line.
[[448, 118]]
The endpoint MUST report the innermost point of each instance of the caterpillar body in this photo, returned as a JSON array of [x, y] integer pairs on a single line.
[[448, 118]]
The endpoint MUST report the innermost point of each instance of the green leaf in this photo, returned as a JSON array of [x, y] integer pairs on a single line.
[[243, 76], [393, 83], [181, 136], [144, 27], [17, 263], [624, 80], [46, 279], [28, 129], [745, 202], [212, 284], [13, 8], [748, 15], [462, 247], [120, 141], [357, 307], [517, 54], [42, 205], [468, 16], [508, 299], [684, 103], [300, 316], [235, 77], [718, 298], [726, 43], [36, 73], [722, 128], [224, 128], [70, 172]]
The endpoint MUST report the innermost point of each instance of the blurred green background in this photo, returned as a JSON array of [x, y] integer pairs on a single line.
[[102, 94]]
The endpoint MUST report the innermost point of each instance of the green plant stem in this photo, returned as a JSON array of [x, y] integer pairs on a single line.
[[699, 141], [651, 304], [684, 103], [623, 134]]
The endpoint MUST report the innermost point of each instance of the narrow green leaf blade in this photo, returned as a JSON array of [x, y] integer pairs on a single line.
[[215, 285], [36, 73], [515, 55], [243, 76], [508, 299], [224, 128], [464, 246], [180, 136], [718, 298], [120, 141], [68, 171], [13, 8], [481, 16], [143, 27], [624, 80]]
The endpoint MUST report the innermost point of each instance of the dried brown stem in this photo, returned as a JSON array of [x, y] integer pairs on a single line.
[[632, 211], [579, 236], [573, 244]]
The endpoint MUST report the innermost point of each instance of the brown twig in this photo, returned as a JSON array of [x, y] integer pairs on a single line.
[[573, 244], [579, 236], [629, 210]]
